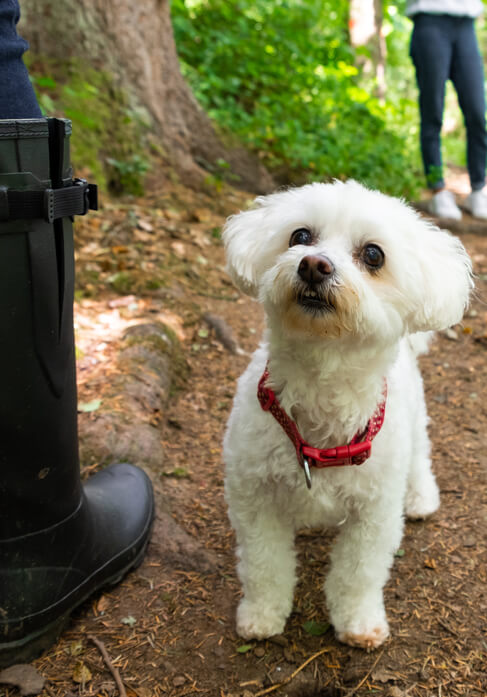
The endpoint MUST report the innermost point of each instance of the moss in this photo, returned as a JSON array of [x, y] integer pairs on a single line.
[[163, 340], [122, 282], [109, 134]]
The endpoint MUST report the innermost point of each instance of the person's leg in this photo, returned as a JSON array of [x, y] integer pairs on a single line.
[[59, 541], [431, 53], [467, 74], [17, 97]]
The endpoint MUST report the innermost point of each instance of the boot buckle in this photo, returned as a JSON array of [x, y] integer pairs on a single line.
[[4, 209]]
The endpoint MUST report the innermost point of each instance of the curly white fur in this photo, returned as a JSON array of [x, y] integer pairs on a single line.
[[327, 367]]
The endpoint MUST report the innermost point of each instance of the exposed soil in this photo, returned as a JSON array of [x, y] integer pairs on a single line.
[[169, 627]]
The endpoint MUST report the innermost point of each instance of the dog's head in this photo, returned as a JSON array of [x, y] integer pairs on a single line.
[[336, 260]]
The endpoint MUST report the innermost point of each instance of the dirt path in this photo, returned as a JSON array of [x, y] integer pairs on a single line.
[[169, 628]]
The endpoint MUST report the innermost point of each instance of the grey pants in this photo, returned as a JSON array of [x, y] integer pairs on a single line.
[[445, 47]]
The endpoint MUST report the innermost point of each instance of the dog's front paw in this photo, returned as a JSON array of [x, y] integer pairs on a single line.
[[257, 622], [367, 638]]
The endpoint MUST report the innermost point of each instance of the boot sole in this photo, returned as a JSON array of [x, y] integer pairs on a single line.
[[30, 647]]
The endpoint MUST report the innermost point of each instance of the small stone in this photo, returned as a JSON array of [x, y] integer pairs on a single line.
[[451, 334], [23, 676], [179, 680], [279, 639], [259, 651]]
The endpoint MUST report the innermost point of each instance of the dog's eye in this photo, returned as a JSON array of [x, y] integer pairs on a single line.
[[373, 256], [301, 236]]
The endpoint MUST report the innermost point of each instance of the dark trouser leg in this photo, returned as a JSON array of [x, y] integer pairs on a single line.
[[17, 98], [467, 75], [431, 52]]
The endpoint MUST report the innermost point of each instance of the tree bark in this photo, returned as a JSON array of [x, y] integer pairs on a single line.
[[365, 24], [134, 41]]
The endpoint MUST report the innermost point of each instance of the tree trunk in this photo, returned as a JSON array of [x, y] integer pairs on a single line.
[[365, 26], [134, 41]]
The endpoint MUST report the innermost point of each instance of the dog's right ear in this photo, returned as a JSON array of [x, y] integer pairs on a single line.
[[244, 238]]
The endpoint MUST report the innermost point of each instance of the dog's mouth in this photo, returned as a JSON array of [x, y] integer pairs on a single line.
[[315, 300]]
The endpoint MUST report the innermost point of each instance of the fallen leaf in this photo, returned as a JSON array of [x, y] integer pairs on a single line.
[[25, 677], [75, 648], [316, 628], [102, 604], [172, 214], [125, 301], [202, 215], [81, 674], [384, 676], [395, 692], [86, 407], [178, 472], [145, 225], [143, 691], [244, 648], [130, 621], [178, 248]]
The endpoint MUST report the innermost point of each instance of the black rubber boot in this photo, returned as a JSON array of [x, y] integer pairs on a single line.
[[59, 541]]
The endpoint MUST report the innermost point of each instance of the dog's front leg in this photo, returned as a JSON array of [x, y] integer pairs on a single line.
[[266, 568], [360, 563]]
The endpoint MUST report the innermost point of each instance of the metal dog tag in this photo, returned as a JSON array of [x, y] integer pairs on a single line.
[[307, 473]]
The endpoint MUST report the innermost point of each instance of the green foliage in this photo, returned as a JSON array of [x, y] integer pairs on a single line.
[[108, 134], [128, 174], [281, 75]]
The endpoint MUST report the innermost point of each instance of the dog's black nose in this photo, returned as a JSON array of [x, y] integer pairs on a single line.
[[315, 268]]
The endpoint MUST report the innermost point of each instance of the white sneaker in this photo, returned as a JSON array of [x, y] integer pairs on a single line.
[[476, 204], [442, 205]]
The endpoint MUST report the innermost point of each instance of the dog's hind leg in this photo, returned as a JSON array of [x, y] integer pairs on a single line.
[[422, 496], [267, 572]]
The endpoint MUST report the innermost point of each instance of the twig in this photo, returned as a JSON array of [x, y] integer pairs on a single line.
[[116, 675], [366, 676], [293, 675]]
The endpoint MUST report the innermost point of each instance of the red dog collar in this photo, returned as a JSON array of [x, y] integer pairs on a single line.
[[355, 453]]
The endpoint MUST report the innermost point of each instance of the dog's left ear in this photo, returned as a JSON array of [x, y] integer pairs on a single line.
[[443, 284], [244, 236]]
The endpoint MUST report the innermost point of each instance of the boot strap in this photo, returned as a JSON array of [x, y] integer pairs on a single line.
[[77, 198]]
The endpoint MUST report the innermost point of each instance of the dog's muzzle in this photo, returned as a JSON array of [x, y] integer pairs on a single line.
[[315, 272]]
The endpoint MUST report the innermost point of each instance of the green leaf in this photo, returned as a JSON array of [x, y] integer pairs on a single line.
[[400, 553], [89, 406], [130, 621], [178, 472], [48, 82], [244, 648], [316, 628]]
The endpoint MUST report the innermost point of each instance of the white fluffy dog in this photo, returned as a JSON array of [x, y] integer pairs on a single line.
[[346, 276]]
